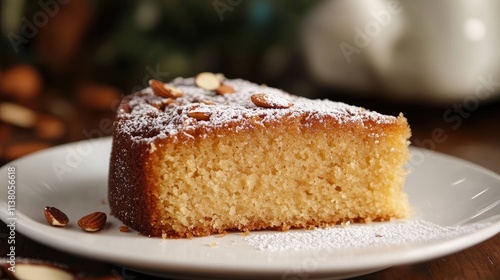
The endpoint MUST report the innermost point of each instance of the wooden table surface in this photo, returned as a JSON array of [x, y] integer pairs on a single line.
[[477, 139]]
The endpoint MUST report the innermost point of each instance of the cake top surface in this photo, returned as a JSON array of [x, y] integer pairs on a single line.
[[191, 105]]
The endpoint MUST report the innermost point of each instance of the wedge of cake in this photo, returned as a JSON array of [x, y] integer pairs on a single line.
[[208, 155]]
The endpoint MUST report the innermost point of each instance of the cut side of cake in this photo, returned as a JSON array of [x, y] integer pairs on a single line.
[[190, 158]]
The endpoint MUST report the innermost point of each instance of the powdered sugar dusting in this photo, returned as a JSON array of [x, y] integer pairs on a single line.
[[277, 101], [163, 118], [359, 236], [270, 101]]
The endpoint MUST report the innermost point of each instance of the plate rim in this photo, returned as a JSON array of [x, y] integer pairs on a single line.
[[414, 255]]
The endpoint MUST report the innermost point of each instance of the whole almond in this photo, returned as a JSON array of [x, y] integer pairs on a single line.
[[93, 222], [225, 89], [270, 101], [17, 115], [55, 217], [164, 90], [207, 80], [49, 127], [21, 82]]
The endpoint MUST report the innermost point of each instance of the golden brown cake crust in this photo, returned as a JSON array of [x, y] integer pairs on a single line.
[[146, 117], [146, 122], [128, 191]]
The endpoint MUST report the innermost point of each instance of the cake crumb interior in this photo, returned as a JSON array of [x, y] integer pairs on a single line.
[[270, 178]]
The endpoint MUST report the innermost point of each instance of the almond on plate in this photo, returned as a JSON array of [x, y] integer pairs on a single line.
[[93, 222], [55, 217]]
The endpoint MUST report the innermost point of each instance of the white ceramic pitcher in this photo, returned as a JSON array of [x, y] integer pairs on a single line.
[[436, 51]]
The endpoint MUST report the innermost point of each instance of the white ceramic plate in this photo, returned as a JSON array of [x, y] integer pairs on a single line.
[[73, 177]]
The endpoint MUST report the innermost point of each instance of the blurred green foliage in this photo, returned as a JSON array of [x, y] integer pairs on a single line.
[[253, 39]]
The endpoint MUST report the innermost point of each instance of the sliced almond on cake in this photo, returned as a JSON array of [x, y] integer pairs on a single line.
[[270, 101], [221, 77], [225, 89], [208, 102], [164, 90], [207, 80], [200, 115]]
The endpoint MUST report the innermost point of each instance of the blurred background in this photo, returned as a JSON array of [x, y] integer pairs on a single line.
[[65, 64]]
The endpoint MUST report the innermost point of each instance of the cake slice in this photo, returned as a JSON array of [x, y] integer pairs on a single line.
[[208, 155]]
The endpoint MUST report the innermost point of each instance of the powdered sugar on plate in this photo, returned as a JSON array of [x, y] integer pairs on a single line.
[[376, 235]]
